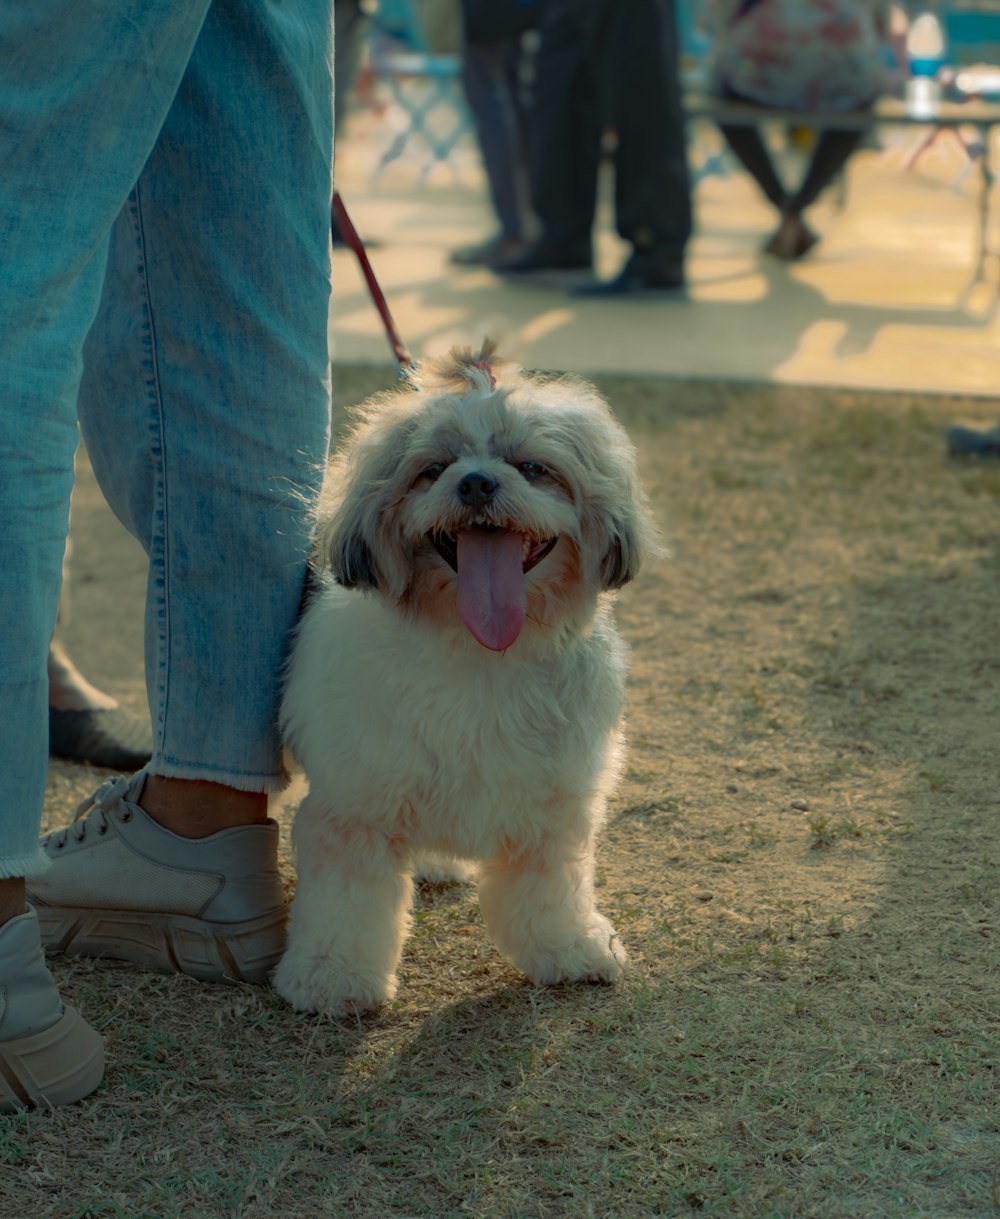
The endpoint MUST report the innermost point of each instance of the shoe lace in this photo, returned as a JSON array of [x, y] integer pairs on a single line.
[[94, 811]]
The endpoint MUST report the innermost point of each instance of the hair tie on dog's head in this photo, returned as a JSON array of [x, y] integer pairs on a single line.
[[462, 369], [489, 372]]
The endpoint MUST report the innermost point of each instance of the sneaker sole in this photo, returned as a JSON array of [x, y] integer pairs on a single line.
[[61, 1065], [177, 943]]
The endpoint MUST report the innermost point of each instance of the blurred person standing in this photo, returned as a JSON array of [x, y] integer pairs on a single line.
[[601, 64]]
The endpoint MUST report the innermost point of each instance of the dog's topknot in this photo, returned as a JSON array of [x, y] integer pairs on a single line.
[[463, 369]]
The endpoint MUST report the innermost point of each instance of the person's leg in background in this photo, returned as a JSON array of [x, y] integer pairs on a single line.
[[82, 97], [86, 724], [834, 149], [565, 143], [491, 77], [638, 45], [747, 145], [792, 238], [351, 22], [205, 408]]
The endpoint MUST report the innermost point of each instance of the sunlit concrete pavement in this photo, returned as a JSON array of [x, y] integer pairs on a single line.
[[886, 301]]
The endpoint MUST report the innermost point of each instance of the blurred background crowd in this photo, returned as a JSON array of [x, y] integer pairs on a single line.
[[554, 88]]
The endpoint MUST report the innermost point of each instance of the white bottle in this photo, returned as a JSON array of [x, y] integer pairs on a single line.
[[925, 49]]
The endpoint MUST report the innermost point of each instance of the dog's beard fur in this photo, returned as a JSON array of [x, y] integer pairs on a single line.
[[470, 704]]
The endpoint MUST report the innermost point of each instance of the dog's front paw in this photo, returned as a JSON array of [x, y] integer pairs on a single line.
[[596, 955], [317, 986]]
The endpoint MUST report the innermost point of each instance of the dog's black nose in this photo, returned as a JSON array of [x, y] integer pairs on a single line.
[[477, 489]]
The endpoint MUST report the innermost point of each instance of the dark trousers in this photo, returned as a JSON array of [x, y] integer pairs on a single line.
[[610, 63], [834, 149], [491, 74]]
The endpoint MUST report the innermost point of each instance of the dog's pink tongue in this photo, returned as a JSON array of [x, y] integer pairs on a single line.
[[491, 596]]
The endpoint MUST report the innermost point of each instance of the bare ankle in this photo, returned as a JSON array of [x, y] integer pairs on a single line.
[[13, 901], [194, 808]]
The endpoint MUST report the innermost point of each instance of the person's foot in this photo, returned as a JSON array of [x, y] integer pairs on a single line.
[[645, 274], [489, 253], [49, 1055], [88, 725], [544, 256], [792, 239], [108, 737], [120, 885], [965, 441]]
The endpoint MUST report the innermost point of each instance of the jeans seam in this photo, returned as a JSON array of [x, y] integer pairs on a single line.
[[158, 546]]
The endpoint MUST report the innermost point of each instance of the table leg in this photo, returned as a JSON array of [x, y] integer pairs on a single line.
[[983, 216]]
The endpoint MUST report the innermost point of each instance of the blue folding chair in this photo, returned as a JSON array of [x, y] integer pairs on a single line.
[[693, 45], [425, 87], [693, 53]]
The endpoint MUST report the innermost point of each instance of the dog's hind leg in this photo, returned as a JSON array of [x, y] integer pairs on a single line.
[[349, 917], [432, 868], [539, 910]]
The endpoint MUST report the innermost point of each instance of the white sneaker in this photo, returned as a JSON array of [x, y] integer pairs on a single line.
[[48, 1054], [122, 886]]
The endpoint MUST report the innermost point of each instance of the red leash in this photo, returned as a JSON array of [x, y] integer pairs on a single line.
[[342, 222]]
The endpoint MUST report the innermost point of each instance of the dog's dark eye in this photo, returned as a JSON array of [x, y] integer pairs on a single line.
[[434, 471], [532, 470]]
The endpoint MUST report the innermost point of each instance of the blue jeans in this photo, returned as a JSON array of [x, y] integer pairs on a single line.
[[165, 283]]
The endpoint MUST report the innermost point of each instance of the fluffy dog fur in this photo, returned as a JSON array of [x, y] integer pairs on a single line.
[[478, 722]]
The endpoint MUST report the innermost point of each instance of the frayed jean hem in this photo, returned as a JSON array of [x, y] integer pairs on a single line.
[[172, 768], [18, 867]]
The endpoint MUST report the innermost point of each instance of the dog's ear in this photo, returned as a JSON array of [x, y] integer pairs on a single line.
[[623, 556], [343, 544], [354, 537], [627, 533], [351, 560]]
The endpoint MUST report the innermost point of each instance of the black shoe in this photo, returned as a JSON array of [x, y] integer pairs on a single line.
[[543, 257], [112, 738], [641, 276], [492, 253], [970, 442]]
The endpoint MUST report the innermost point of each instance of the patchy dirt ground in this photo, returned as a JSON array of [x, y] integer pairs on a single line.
[[816, 660], [803, 858]]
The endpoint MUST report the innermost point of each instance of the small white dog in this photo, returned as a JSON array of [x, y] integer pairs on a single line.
[[470, 705]]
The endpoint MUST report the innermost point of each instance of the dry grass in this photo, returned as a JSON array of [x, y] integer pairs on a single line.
[[804, 861]]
